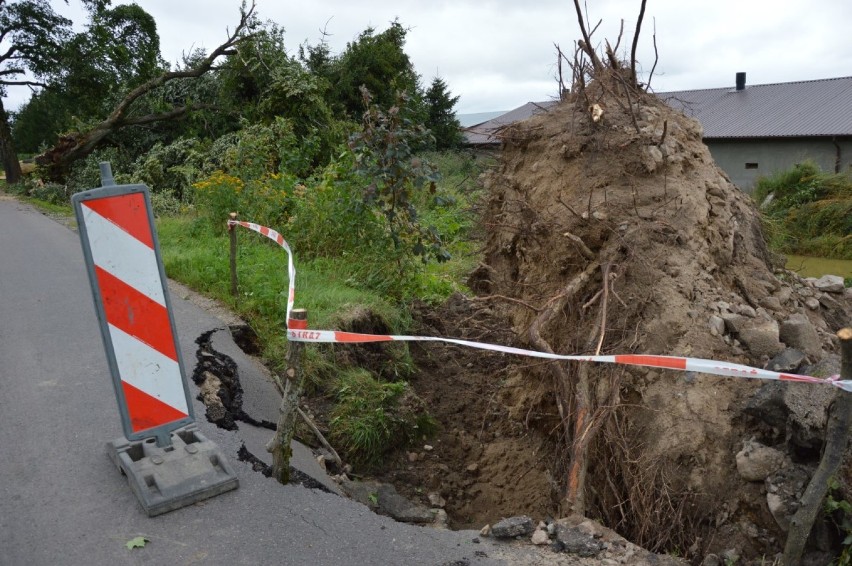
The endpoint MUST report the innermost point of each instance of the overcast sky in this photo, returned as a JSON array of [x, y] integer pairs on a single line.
[[500, 54]]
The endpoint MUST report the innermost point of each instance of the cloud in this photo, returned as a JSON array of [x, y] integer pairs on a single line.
[[499, 54]]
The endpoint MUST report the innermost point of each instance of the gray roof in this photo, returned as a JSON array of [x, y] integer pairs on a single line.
[[467, 120], [798, 109], [818, 108], [486, 132]]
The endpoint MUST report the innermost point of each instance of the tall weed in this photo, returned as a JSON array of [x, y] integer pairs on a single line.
[[807, 211]]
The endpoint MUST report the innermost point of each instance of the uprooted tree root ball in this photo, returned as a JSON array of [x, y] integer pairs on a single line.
[[611, 230]]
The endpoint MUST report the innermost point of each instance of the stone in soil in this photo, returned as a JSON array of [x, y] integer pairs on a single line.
[[513, 527]]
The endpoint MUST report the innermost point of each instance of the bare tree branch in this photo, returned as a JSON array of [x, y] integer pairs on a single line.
[[586, 43], [23, 83], [636, 42], [620, 33], [656, 57]]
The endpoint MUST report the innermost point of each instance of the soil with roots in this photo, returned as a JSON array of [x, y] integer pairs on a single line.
[[615, 236]]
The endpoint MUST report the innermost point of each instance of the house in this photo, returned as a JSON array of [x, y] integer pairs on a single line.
[[751, 131]]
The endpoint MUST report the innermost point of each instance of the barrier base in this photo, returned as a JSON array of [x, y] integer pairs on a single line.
[[164, 479]]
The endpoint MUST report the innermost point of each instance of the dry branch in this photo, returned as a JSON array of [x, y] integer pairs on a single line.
[[636, 42], [586, 43]]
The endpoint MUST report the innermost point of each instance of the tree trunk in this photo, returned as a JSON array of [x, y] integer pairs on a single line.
[[7, 149]]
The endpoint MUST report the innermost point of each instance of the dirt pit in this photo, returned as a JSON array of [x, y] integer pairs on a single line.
[[486, 462]]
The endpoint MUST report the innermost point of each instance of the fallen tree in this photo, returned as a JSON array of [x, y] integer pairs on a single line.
[[77, 145]]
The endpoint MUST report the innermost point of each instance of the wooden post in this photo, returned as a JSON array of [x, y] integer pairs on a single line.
[[232, 233], [836, 439], [279, 445]]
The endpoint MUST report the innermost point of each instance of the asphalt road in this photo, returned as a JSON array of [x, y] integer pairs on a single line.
[[62, 502]]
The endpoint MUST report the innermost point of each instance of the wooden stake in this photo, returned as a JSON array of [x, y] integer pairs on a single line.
[[232, 233], [279, 445], [836, 439]]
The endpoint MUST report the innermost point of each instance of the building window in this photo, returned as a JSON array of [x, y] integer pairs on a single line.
[[751, 165]]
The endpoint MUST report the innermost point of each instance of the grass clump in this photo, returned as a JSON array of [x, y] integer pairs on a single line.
[[807, 211], [372, 417]]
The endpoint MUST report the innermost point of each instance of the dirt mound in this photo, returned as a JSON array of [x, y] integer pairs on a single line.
[[621, 235]]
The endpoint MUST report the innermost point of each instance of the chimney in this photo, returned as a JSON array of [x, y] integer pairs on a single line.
[[741, 81]]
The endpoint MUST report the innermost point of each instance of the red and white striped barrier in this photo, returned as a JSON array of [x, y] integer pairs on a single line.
[[298, 331], [131, 302]]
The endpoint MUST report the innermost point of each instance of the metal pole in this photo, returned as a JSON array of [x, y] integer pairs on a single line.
[[107, 179], [232, 232], [836, 439]]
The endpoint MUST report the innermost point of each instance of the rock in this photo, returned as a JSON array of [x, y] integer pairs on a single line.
[[428, 447], [733, 322], [798, 332], [513, 527], [717, 325], [787, 361], [829, 284], [755, 462], [746, 310], [834, 313], [435, 500], [826, 367], [573, 541], [761, 337], [771, 303], [784, 488], [472, 468], [812, 303], [797, 409], [712, 560], [652, 158], [808, 405], [412, 456], [485, 531], [540, 537], [784, 294], [361, 491], [391, 503], [778, 511], [442, 520]]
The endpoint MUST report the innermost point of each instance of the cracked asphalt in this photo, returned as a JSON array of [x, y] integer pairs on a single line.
[[62, 502]]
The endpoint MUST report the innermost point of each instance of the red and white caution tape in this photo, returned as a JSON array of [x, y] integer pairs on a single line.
[[297, 331]]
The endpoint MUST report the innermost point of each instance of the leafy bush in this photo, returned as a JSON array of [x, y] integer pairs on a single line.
[[393, 175], [173, 167], [265, 200], [86, 173]]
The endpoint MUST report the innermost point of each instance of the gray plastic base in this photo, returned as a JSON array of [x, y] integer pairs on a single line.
[[164, 479]]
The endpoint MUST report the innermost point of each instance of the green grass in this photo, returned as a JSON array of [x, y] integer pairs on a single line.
[[372, 417], [810, 212], [199, 258]]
